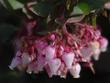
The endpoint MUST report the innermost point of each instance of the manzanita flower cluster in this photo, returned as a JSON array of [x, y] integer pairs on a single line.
[[59, 52]]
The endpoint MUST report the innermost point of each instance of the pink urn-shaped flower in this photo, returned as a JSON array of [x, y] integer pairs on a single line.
[[75, 70], [15, 62], [86, 53], [54, 65], [103, 44], [26, 59], [49, 52], [68, 59], [96, 49]]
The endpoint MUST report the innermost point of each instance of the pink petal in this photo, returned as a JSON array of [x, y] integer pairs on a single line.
[[54, 66], [68, 59], [50, 52]]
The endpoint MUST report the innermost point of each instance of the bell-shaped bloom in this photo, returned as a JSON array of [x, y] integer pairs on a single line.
[[94, 45], [96, 49], [96, 54], [49, 52], [26, 59], [54, 65], [86, 53], [103, 44], [15, 62], [75, 70], [60, 51], [68, 59]]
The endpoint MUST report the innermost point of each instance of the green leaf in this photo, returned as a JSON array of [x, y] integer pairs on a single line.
[[94, 4], [16, 4], [84, 7], [76, 11], [81, 8], [42, 9]]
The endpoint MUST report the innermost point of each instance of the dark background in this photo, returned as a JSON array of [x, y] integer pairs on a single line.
[[102, 66]]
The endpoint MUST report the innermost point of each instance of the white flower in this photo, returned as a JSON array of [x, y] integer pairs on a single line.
[[86, 52], [68, 59], [96, 49], [49, 52], [96, 54], [103, 44], [95, 45], [25, 58], [54, 66], [16, 61], [75, 70]]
